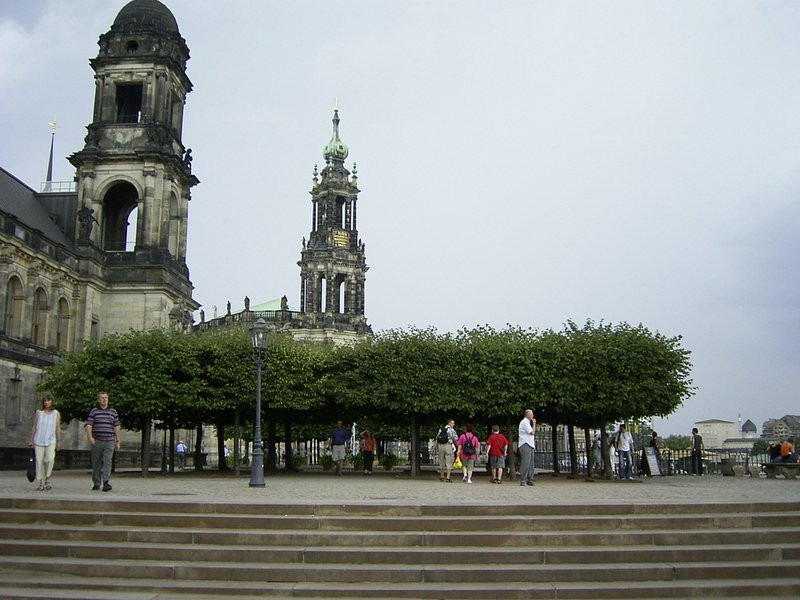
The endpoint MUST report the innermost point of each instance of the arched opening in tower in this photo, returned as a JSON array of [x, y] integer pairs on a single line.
[[339, 301], [340, 213], [120, 209]]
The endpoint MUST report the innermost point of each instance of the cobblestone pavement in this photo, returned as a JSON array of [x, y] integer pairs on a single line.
[[400, 488]]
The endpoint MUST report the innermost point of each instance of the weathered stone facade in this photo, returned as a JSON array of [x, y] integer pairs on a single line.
[[70, 269]]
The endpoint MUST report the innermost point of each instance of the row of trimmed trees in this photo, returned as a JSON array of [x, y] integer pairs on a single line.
[[401, 383]]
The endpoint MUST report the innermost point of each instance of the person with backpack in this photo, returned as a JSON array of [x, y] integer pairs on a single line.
[[445, 440], [468, 447]]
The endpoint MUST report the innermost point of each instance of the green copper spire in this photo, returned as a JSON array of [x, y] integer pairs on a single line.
[[335, 151]]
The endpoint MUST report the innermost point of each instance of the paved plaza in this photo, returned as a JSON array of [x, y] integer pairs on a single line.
[[400, 488]]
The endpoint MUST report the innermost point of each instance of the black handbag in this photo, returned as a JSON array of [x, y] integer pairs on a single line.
[[31, 474]]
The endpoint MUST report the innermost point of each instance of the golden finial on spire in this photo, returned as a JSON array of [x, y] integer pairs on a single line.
[[336, 105], [52, 126]]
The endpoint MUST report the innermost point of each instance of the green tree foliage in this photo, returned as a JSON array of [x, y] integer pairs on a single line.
[[402, 372], [678, 442], [585, 375], [760, 446], [179, 379]]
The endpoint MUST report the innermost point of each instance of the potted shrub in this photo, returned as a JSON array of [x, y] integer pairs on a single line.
[[388, 461]]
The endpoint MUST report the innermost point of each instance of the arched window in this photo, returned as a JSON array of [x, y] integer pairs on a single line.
[[119, 211], [62, 325], [12, 317], [39, 318]]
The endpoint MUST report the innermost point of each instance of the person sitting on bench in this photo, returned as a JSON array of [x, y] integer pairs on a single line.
[[788, 453]]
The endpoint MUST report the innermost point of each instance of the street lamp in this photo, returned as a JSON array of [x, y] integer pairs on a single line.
[[260, 336]]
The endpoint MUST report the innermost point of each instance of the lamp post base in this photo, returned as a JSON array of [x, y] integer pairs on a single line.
[[257, 468]]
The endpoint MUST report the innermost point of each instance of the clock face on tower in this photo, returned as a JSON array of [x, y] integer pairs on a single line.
[[341, 239]]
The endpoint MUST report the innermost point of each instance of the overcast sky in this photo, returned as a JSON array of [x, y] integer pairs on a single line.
[[520, 162]]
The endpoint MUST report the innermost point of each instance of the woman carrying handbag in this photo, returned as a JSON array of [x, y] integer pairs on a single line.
[[45, 440]]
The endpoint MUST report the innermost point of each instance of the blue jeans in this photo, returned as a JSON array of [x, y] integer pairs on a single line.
[[625, 464]]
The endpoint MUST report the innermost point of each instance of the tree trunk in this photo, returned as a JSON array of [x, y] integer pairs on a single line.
[[604, 452], [414, 445], [573, 452], [171, 450], [198, 449], [145, 446], [272, 458], [287, 444], [556, 464], [237, 443], [588, 444], [222, 464]]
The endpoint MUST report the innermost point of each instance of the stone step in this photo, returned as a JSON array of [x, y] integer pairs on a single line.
[[429, 510], [347, 539], [116, 518], [205, 550], [68, 587], [428, 573], [400, 556]]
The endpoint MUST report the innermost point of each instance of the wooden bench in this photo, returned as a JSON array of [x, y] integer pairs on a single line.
[[789, 469]]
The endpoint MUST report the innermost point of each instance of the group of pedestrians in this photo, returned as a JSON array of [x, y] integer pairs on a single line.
[[453, 449], [337, 443], [102, 433]]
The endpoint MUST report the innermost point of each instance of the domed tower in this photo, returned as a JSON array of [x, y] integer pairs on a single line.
[[134, 174], [332, 264]]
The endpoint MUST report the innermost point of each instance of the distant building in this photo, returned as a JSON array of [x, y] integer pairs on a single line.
[[745, 441], [715, 432], [776, 429], [749, 429]]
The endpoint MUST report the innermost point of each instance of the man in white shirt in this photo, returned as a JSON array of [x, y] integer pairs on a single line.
[[527, 445], [180, 452], [623, 440]]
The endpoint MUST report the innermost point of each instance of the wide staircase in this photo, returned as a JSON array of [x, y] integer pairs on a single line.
[[52, 548]]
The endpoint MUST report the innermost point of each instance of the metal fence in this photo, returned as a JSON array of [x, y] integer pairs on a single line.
[[671, 462]]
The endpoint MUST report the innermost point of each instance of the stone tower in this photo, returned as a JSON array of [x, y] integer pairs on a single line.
[[332, 263], [134, 175]]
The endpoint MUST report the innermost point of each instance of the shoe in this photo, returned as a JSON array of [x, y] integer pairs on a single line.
[[441, 478], [499, 481], [95, 487], [469, 480], [106, 487], [41, 487], [630, 478], [522, 483], [530, 483], [448, 480], [47, 485]]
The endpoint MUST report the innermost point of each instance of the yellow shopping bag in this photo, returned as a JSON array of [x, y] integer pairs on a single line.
[[457, 464]]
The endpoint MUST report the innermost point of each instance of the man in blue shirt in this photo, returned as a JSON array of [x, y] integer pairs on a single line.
[[337, 442]]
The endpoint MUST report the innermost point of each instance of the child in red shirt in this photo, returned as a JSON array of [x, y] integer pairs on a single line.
[[497, 444]]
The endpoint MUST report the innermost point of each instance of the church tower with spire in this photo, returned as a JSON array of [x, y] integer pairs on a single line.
[[134, 174], [332, 262]]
